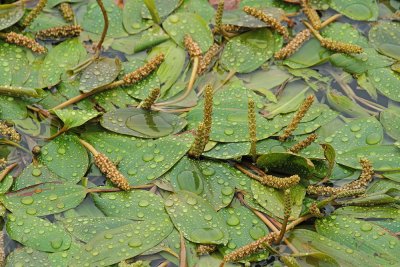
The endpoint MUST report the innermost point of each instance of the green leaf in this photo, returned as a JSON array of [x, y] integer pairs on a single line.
[[207, 179], [65, 157], [153, 158], [37, 233], [118, 244], [310, 54], [142, 123], [27, 257], [44, 199], [345, 105], [14, 65], [378, 244], [385, 37], [73, 118], [386, 81], [390, 119], [240, 18], [248, 51], [6, 184], [12, 108], [179, 25], [374, 212], [132, 17], [357, 10], [244, 227], [383, 158], [271, 199], [135, 205], [86, 228], [163, 7], [308, 241], [286, 163], [288, 7], [10, 14], [36, 174], [100, 72], [93, 20], [202, 8], [228, 150], [196, 218], [59, 59]]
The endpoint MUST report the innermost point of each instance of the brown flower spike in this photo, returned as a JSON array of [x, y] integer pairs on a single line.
[[218, 16], [271, 21], [303, 144], [192, 47], [34, 13], [198, 145], [67, 12], [252, 124], [297, 118], [144, 71], [341, 47], [208, 58], [150, 99], [207, 112], [21, 40], [205, 249], [293, 45], [311, 14], [9, 132], [278, 182], [60, 32]]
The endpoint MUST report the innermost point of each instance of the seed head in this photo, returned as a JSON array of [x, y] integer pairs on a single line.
[[34, 13], [144, 71], [150, 99], [208, 58], [293, 45], [278, 182], [311, 14], [207, 112], [341, 47], [218, 16], [67, 12], [252, 124], [108, 168], [198, 145], [303, 144], [21, 40], [9, 132], [192, 47], [205, 249], [60, 32], [314, 210]]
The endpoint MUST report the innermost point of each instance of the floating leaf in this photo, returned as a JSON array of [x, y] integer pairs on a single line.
[[228, 150], [27, 257], [132, 17], [179, 25], [196, 218], [142, 123], [310, 54], [65, 157], [207, 179], [357, 10], [345, 105], [164, 8], [118, 244], [386, 81], [272, 200], [12, 108], [73, 118], [100, 72], [154, 158], [136, 205], [374, 241], [385, 37], [14, 65], [390, 119], [36, 174], [10, 14], [37, 233], [248, 51], [375, 212], [44, 199], [240, 18]]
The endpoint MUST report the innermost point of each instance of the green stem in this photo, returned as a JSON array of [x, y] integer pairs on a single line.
[[18, 91], [61, 131], [151, 6], [11, 143]]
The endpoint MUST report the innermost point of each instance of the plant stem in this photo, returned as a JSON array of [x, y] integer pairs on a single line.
[[89, 147], [151, 6], [7, 170], [61, 131], [18, 91], [105, 28], [11, 143], [182, 254], [330, 20]]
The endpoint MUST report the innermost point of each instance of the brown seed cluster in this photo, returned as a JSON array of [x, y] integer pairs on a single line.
[[218, 16], [144, 71], [192, 47], [198, 145], [305, 106], [205, 249], [60, 32], [34, 13], [67, 12], [359, 184], [208, 58], [303, 144], [271, 21], [341, 47], [151, 98], [2, 253], [21, 40], [207, 112], [252, 124], [293, 45], [108, 168], [230, 28], [3, 162], [278, 182], [9, 132], [311, 14], [251, 248], [314, 210]]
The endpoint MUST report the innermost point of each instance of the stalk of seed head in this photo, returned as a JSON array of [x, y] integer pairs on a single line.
[[208, 58], [303, 144], [311, 14], [359, 184], [252, 124], [192, 47], [60, 32], [143, 71], [9, 132], [107, 167], [34, 13], [218, 16], [150, 99], [67, 12], [271, 21], [207, 112], [205, 249], [287, 202], [22, 40], [251, 248], [278, 182], [198, 145], [293, 45], [305, 106]]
